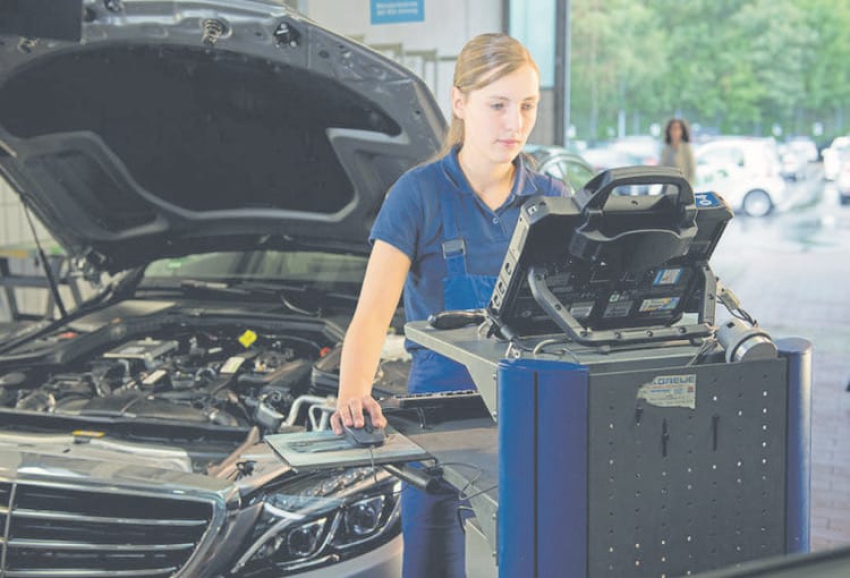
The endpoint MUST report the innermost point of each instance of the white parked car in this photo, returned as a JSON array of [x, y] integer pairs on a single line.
[[794, 163], [843, 181], [745, 171], [833, 155], [805, 147]]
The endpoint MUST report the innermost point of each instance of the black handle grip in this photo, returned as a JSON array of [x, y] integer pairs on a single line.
[[454, 319], [636, 235], [594, 195], [415, 477]]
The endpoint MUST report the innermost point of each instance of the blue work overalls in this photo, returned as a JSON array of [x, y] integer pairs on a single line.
[[434, 540]]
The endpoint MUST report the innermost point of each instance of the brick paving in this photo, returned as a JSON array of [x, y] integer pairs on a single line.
[[792, 272]]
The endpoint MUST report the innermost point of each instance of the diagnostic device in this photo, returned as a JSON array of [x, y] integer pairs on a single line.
[[606, 266]]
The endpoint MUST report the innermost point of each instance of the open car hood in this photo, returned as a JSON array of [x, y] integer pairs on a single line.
[[172, 128]]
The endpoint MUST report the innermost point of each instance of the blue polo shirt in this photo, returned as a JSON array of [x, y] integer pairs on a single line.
[[410, 220]]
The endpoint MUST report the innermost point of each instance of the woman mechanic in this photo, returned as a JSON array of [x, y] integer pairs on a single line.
[[441, 235]]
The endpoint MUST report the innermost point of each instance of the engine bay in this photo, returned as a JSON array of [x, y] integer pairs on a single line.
[[219, 376]]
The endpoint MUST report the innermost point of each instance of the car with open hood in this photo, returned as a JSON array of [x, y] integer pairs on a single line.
[[222, 161]]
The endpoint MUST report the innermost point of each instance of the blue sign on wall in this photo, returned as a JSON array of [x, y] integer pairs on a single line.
[[394, 11]]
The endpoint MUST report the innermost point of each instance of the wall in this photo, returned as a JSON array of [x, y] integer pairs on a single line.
[[15, 230], [448, 25], [12, 225]]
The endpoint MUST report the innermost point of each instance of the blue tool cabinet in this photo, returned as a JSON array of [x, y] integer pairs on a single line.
[[600, 477]]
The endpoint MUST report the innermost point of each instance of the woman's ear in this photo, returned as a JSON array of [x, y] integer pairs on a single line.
[[458, 102]]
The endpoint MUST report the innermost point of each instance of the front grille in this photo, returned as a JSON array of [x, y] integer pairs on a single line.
[[50, 531]]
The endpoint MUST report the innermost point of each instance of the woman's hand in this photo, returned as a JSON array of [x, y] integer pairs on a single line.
[[361, 350], [350, 413]]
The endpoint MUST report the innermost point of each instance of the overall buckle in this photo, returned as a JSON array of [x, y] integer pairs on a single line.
[[453, 248]]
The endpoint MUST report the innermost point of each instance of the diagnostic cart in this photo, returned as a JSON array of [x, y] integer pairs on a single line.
[[628, 433]]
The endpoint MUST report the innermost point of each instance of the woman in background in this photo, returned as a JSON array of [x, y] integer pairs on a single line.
[[677, 150]]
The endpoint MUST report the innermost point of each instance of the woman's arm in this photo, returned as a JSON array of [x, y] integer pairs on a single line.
[[361, 350]]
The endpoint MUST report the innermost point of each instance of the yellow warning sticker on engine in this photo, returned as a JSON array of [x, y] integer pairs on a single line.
[[670, 391], [248, 338]]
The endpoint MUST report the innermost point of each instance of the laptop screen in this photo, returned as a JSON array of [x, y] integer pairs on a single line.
[[633, 261]]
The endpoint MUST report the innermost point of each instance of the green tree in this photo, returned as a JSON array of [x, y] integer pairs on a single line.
[[827, 74], [774, 41], [737, 65], [618, 58]]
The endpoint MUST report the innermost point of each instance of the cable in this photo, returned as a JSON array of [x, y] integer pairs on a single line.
[[372, 462], [538, 349], [405, 484], [478, 472], [515, 344], [571, 354], [477, 475], [460, 511], [707, 346], [729, 300], [295, 308], [284, 338], [484, 491]]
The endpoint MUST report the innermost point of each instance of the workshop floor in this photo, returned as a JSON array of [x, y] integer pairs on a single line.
[[792, 273]]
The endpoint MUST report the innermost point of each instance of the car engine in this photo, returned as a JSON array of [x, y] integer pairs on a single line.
[[146, 419], [213, 376]]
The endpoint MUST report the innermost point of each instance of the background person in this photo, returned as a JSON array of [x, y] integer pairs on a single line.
[[677, 150], [441, 235]]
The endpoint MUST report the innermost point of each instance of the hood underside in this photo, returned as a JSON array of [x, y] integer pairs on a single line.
[[176, 128]]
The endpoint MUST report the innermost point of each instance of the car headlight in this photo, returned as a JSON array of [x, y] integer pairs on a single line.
[[363, 517], [322, 518]]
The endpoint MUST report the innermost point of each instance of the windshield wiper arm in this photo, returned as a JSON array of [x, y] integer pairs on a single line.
[[245, 288], [303, 289], [214, 287]]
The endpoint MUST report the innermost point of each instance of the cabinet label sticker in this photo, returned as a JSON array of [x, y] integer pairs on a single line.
[[670, 391]]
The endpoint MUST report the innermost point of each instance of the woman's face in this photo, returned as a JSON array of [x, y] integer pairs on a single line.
[[499, 116], [675, 132]]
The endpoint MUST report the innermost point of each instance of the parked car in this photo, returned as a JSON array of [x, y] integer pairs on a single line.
[[794, 164], [561, 163], [796, 154], [603, 158], [745, 171], [222, 161], [833, 155], [843, 181], [805, 147], [645, 148]]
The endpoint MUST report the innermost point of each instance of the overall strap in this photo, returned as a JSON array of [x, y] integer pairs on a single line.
[[454, 246]]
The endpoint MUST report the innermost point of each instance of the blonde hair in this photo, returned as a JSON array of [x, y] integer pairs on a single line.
[[484, 59]]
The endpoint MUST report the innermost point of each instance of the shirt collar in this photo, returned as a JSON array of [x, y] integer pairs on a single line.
[[523, 185]]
